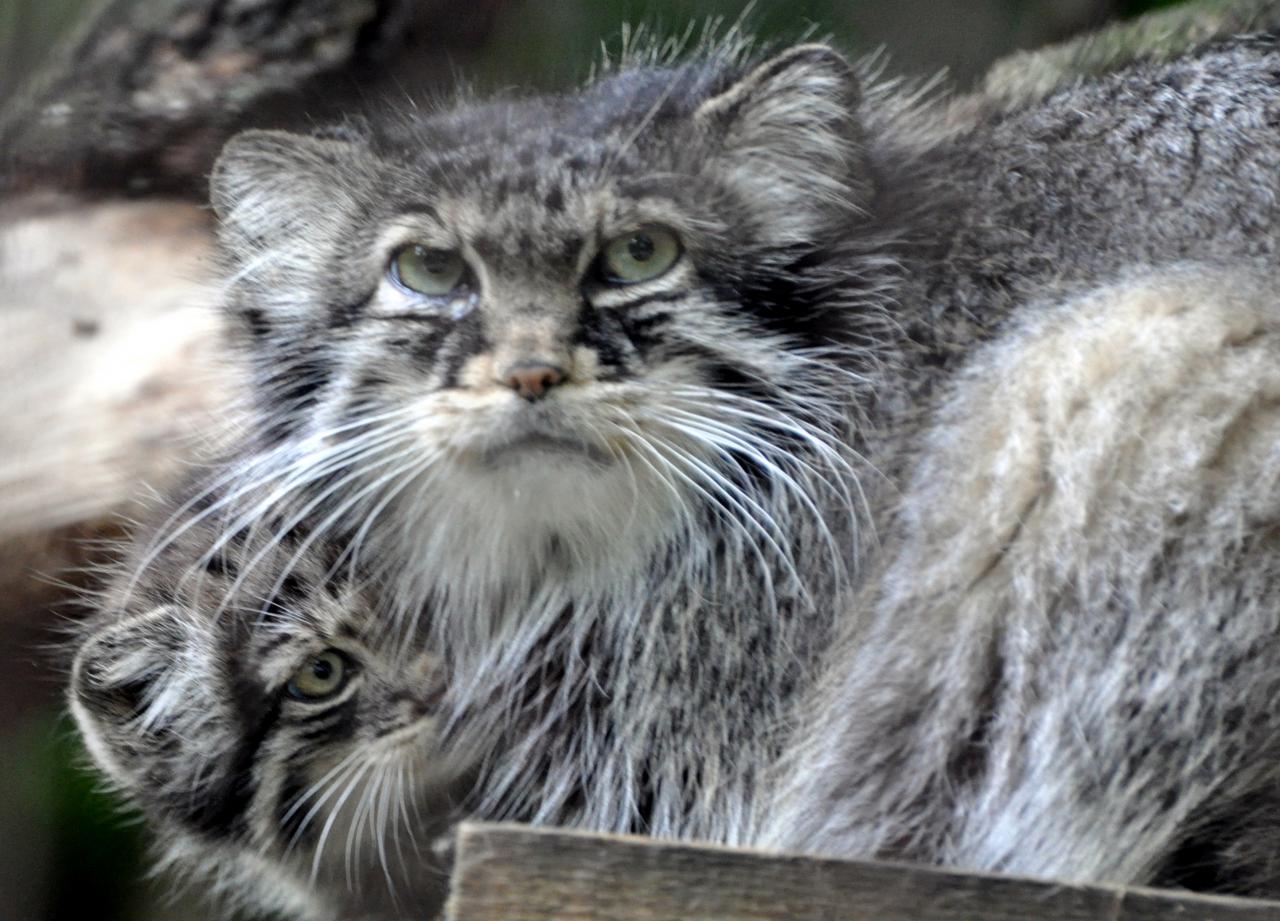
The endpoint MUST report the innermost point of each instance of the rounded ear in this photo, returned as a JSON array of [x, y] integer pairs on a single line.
[[118, 681], [267, 185], [788, 134]]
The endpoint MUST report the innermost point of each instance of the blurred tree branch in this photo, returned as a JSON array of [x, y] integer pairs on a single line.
[[144, 96]]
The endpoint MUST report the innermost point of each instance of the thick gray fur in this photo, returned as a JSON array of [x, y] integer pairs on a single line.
[[633, 613], [1066, 654], [924, 509]]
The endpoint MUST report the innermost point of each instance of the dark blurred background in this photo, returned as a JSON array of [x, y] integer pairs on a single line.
[[66, 849]]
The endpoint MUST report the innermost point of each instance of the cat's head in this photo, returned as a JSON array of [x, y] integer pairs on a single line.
[[563, 324], [284, 748]]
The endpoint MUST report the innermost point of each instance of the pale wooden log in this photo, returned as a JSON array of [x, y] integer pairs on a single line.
[[517, 873], [113, 380]]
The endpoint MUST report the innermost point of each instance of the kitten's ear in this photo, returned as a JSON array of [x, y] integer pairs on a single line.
[[118, 683], [270, 185], [788, 135]]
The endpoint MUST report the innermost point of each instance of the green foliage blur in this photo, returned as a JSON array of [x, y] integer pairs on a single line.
[[93, 853], [67, 850], [578, 31], [28, 29]]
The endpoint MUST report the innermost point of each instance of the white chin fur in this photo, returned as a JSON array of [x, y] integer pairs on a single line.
[[510, 520]]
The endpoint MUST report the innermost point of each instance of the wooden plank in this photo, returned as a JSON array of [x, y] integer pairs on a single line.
[[1155, 905], [516, 873]]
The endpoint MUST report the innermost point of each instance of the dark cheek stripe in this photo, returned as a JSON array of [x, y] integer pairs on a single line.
[[467, 338], [425, 348], [290, 391], [602, 332], [266, 646], [344, 314], [338, 726], [256, 321], [288, 818], [219, 809], [337, 721], [645, 332]]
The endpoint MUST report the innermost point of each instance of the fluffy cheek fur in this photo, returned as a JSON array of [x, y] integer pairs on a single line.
[[126, 682], [510, 496]]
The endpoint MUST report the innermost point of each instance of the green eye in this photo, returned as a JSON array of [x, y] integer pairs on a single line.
[[320, 677], [638, 256], [433, 272]]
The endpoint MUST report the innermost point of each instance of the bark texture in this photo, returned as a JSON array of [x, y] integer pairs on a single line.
[[142, 99]]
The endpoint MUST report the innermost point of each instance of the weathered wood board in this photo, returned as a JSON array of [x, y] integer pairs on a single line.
[[516, 873]]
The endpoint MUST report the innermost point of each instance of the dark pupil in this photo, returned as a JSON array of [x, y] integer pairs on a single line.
[[640, 247], [433, 260], [322, 669]]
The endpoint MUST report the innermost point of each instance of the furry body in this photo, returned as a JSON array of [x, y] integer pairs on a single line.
[[673, 519], [1064, 660], [627, 582], [631, 583]]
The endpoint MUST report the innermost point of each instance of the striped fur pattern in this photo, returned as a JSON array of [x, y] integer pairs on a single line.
[[678, 512]]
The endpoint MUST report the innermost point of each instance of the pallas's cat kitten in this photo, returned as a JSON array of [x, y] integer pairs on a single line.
[[281, 740]]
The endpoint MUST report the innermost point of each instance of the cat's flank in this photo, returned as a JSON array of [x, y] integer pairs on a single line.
[[1067, 661], [645, 408]]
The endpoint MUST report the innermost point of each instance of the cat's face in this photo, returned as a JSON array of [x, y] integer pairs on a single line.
[[290, 746], [555, 326]]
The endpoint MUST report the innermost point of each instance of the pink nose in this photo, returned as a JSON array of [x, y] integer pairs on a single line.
[[531, 380]]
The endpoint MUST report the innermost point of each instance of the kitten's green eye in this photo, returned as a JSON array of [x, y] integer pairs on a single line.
[[433, 272], [321, 676], [639, 256]]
